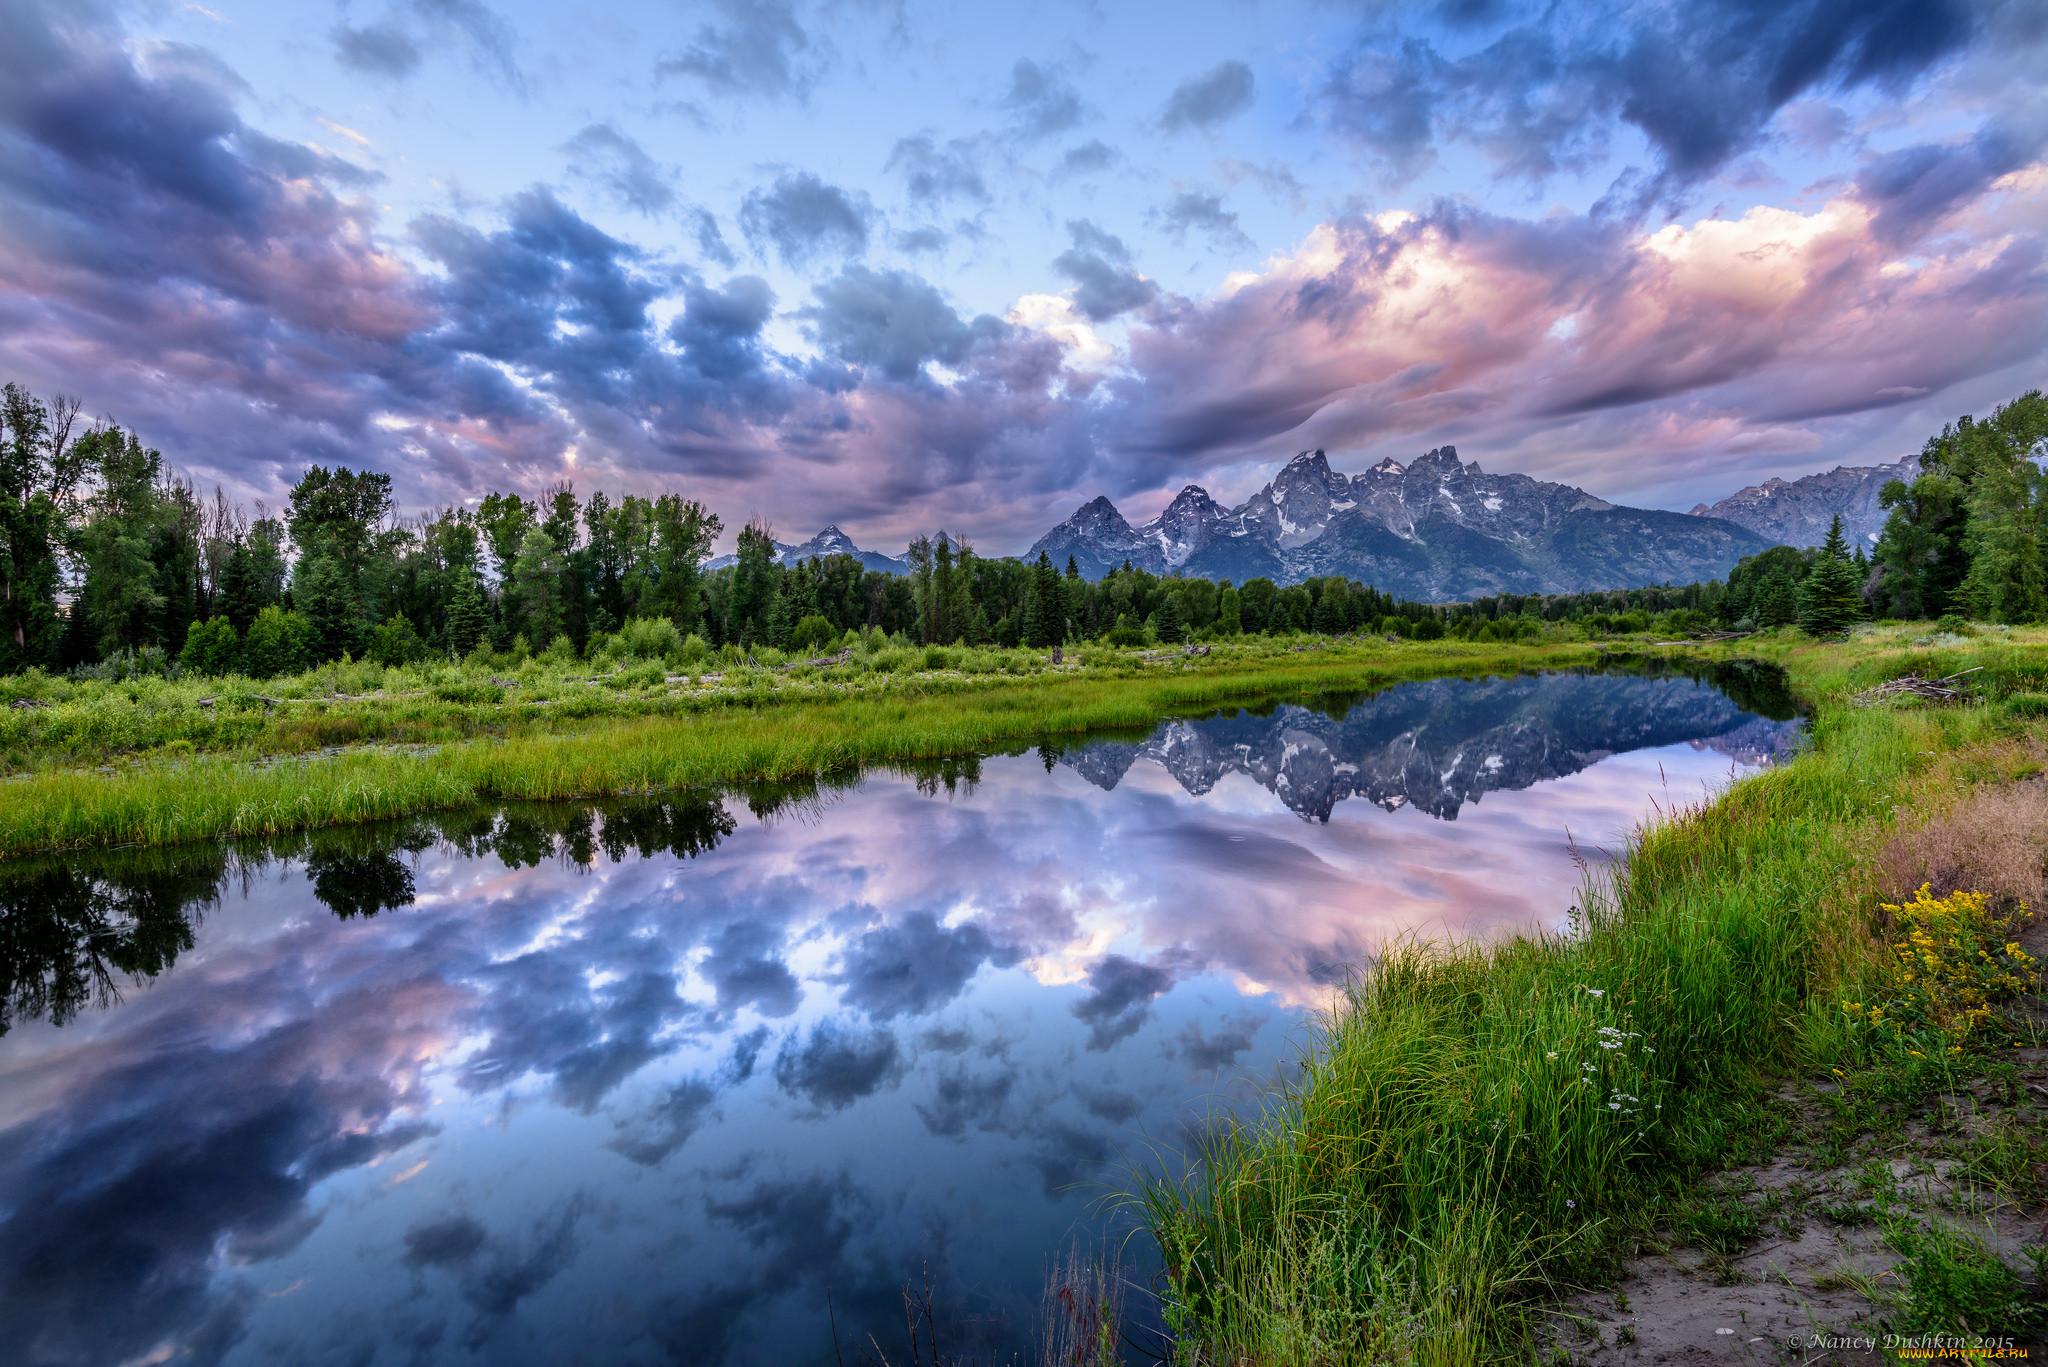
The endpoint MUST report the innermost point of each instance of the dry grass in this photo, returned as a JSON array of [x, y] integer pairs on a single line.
[[1993, 841]]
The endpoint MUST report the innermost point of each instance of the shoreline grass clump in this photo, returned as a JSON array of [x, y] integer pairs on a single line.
[[1477, 1129]]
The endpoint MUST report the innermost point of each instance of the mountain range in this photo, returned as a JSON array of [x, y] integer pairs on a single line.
[[1796, 512], [1443, 743], [1439, 529], [1435, 530], [831, 541]]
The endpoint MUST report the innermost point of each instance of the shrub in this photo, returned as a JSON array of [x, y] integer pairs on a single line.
[[694, 652], [211, 648], [646, 638], [1952, 959], [469, 694], [278, 642], [813, 633], [395, 643], [938, 657], [1955, 624], [1125, 632]]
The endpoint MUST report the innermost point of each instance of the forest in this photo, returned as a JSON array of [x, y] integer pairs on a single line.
[[111, 560]]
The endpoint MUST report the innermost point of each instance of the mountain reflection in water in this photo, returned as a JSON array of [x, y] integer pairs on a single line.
[[643, 1081]]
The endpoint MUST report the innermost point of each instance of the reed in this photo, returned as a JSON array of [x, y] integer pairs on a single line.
[[1478, 1127]]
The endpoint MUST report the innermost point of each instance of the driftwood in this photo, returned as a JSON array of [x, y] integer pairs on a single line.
[[1942, 690], [28, 702], [1719, 635], [844, 654], [1197, 650]]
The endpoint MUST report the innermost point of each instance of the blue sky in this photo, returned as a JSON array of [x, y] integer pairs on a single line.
[[901, 266]]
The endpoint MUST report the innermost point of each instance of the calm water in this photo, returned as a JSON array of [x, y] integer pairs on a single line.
[[644, 1083]]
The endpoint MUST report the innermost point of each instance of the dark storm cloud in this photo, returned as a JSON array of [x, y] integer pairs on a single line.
[[604, 154], [746, 971], [516, 1269], [376, 49], [805, 218], [1215, 96], [837, 1064], [932, 173], [1205, 214], [914, 965], [1119, 1000], [1204, 1053], [1699, 82], [1041, 100], [960, 1099], [758, 48], [1068, 1156], [438, 1243], [892, 322], [1100, 266], [1912, 188]]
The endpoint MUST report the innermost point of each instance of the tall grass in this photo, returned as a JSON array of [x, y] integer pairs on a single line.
[[175, 793], [1477, 1125]]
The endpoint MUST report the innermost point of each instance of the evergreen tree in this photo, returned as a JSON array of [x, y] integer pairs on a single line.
[[537, 574], [1045, 610], [753, 586], [1172, 618], [212, 648], [468, 618], [1330, 616], [1831, 598], [38, 472], [1777, 600], [322, 594]]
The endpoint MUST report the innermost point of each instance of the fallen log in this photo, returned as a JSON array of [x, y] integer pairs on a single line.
[[1942, 690]]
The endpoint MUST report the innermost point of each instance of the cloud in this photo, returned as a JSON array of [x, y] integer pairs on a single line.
[[1914, 187], [1205, 1053], [1203, 213], [960, 1099], [439, 1243], [1119, 1000], [933, 174], [376, 50], [622, 166], [1214, 97], [1090, 158], [1041, 101], [745, 970], [758, 50], [1700, 85], [891, 321], [837, 1065], [804, 219], [1105, 282], [912, 965], [649, 1138]]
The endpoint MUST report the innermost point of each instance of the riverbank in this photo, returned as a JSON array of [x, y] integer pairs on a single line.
[[1480, 1132], [152, 761]]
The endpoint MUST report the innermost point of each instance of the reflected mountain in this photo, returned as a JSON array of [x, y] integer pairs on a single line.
[[1440, 744]]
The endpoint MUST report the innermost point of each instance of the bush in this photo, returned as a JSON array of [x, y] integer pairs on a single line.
[[938, 657], [646, 638], [1955, 624], [813, 633], [1125, 632], [279, 642], [395, 643], [694, 652], [211, 648]]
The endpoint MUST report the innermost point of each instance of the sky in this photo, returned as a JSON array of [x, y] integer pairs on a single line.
[[898, 266]]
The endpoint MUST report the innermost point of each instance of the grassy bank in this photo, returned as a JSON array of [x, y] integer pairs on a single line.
[[1480, 1128], [435, 745]]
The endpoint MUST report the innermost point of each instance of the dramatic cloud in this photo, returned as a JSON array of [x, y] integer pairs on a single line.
[[1221, 93], [1700, 84], [804, 219], [1099, 264], [1119, 1000], [837, 1065]]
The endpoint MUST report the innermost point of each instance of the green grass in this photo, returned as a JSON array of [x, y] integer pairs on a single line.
[[1479, 1127], [441, 744]]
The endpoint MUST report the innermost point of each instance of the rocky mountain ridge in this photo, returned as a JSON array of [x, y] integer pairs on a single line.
[[1434, 530], [1796, 512], [830, 541]]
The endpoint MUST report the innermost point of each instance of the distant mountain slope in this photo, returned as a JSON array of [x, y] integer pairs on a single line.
[[831, 541], [1434, 531], [1796, 512]]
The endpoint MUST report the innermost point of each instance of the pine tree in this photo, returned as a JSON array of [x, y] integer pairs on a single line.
[[468, 618], [1172, 619], [1831, 598]]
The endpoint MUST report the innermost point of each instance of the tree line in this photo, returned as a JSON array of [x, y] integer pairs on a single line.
[[106, 553]]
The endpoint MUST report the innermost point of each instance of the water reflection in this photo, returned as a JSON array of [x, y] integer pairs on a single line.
[[642, 1082]]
